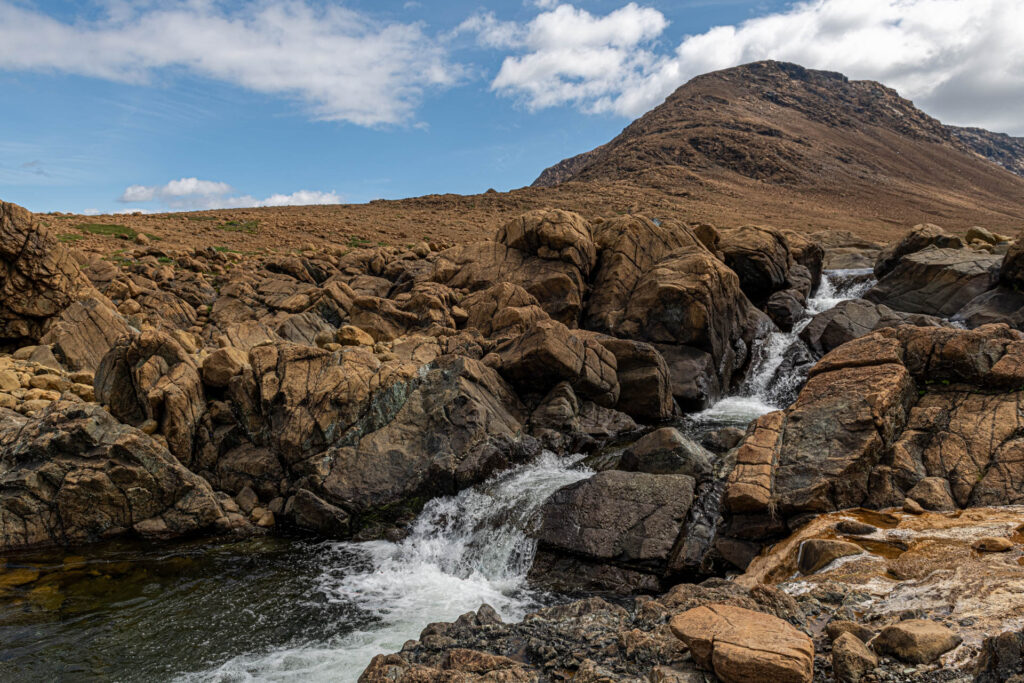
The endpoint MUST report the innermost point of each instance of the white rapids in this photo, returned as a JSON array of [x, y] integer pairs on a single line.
[[462, 551], [762, 389]]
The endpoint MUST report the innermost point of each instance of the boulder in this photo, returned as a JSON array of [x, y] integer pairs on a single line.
[[1011, 270], [1001, 659], [785, 309], [1000, 305], [74, 475], [739, 645], [761, 259], [851, 659], [666, 451], [645, 383], [627, 520], [630, 246], [223, 364], [692, 299], [936, 282], [855, 318], [917, 641], [550, 352], [809, 253], [308, 511], [552, 234], [150, 377], [917, 239], [933, 493], [83, 333], [38, 276]]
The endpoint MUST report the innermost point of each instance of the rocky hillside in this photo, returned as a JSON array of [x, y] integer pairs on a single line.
[[806, 133]]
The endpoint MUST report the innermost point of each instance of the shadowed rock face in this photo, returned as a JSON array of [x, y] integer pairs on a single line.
[[38, 277], [75, 474]]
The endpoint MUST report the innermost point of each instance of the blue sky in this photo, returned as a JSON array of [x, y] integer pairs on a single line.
[[112, 106]]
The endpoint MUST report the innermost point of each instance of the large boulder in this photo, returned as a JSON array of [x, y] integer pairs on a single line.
[[692, 299], [855, 318], [645, 383], [38, 276], [936, 281], [917, 239], [739, 645], [150, 377], [760, 257], [917, 641], [628, 521], [550, 353], [1011, 271], [83, 333], [75, 474], [1003, 304], [629, 247], [548, 252]]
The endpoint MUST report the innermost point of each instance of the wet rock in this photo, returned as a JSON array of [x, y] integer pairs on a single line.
[[936, 282], [308, 511], [851, 659], [919, 238], [1001, 659], [785, 309], [918, 641], [855, 318], [1011, 271], [739, 645], [626, 519], [1002, 304], [666, 451], [75, 475], [722, 440], [819, 552], [853, 527]]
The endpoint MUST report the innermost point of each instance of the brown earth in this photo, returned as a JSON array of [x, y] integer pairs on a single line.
[[766, 143]]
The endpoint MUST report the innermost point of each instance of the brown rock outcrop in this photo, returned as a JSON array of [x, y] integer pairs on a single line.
[[75, 475], [38, 276]]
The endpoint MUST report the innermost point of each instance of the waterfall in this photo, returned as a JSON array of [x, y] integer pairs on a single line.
[[462, 550], [769, 386]]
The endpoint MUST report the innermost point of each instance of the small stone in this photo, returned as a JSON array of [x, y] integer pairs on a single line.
[[8, 401], [149, 427], [247, 499], [838, 627], [992, 544], [350, 335], [912, 507], [9, 381], [916, 641], [266, 520], [820, 552], [81, 377], [854, 527], [34, 406], [459, 315], [84, 391], [851, 659]]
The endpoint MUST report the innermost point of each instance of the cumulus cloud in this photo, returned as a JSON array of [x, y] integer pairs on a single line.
[[341, 64], [961, 60], [195, 194]]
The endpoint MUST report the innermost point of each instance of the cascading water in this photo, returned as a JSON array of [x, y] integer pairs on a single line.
[[462, 551], [766, 388]]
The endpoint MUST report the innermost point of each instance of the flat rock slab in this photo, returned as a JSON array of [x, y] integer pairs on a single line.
[[741, 646]]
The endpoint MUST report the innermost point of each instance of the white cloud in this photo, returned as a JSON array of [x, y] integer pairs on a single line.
[[961, 60], [342, 65], [195, 194]]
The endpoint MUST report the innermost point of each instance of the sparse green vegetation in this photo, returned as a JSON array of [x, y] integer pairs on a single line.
[[107, 229], [155, 238], [358, 243], [200, 218], [164, 259], [70, 237], [227, 250], [248, 227]]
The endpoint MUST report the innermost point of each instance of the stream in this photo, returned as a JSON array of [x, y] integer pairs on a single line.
[[283, 608]]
